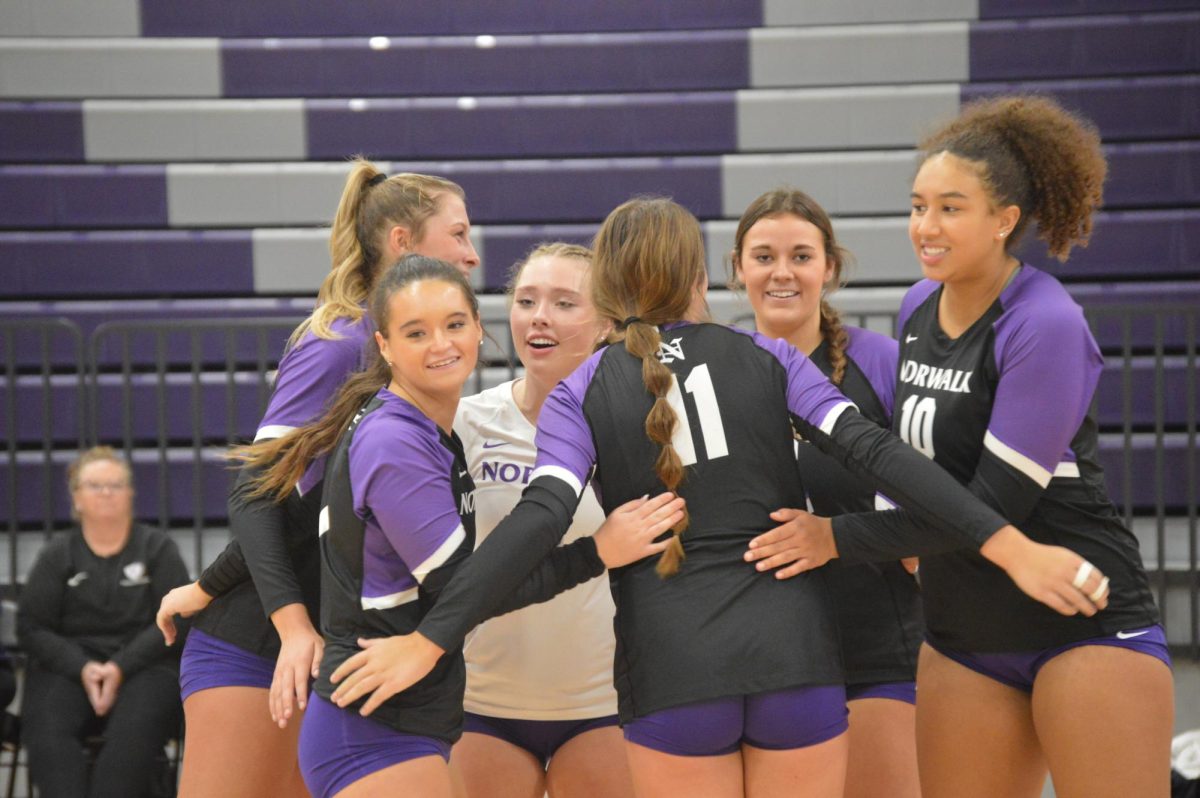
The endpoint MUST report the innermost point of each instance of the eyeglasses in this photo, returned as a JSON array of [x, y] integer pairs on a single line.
[[104, 487]]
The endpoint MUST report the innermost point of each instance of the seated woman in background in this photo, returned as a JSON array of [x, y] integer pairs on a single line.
[[96, 659]]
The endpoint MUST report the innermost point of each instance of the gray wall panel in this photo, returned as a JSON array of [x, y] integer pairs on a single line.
[[859, 54], [842, 12], [248, 195], [844, 118], [844, 182], [296, 260], [195, 130], [70, 18], [61, 68]]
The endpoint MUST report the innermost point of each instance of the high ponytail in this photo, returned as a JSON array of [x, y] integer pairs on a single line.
[[649, 263], [371, 204], [1032, 153]]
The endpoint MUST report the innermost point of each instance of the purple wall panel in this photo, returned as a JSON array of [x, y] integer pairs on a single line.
[[32, 132], [1130, 243], [1163, 174], [1129, 109], [1085, 47], [231, 18], [698, 60], [524, 127], [83, 196], [505, 246], [1008, 9], [153, 263], [582, 190]]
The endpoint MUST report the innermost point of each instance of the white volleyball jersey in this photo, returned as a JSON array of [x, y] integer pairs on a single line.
[[551, 661]]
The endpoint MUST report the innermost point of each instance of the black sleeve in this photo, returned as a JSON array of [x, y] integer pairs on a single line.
[[39, 615], [891, 534], [493, 580], [167, 572], [260, 526], [933, 498], [226, 572]]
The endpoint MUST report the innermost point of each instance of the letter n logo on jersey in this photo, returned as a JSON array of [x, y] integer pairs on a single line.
[[670, 351]]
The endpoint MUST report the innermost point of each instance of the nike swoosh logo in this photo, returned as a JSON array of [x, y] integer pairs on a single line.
[[77, 579], [1127, 635], [490, 445], [908, 339], [462, 474]]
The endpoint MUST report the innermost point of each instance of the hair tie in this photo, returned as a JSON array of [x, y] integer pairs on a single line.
[[628, 321], [376, 180]]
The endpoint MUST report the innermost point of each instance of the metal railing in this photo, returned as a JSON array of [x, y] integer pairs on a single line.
[[175, 394]]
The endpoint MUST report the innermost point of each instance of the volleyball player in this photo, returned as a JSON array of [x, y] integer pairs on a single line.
[[998, 370], [728, 683], [398, 518], [541, 710], [237, 663], [787, 260]]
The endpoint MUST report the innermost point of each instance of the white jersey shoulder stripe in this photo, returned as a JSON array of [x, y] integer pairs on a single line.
[[1067, 470], [323, 521], [272, 431], [387, 602], [833, 415], [558, 472], [448, 547], [1015, 459]]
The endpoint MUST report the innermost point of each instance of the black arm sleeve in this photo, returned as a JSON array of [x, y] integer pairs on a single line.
[[933, 498], [889, 535], [226, 572], [260, 526], [512, 554]]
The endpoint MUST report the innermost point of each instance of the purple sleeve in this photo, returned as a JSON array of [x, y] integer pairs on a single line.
[[309, 375], [810, 394], [401, 480], [913, 299], [565, 448], [877, 356], [1049, 366]]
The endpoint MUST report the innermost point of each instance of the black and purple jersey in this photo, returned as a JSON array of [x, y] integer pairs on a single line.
[[718, 627], [878, 605], [1005, 409], [276, 543], [398, 520]]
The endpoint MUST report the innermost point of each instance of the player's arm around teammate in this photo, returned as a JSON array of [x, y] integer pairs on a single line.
[[541, 710], [249, 667], [787, 260], [1007, 689]]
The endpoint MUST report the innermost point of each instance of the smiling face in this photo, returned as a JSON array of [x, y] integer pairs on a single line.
[[784, 268], [554, 324], [433, 339], [445, 236], [956, 231]]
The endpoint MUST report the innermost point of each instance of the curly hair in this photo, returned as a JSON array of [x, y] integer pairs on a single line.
[[1031, 152]]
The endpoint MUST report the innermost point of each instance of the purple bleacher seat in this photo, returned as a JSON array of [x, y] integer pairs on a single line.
[[1140, 244], [1011, 9], [1138, 470], [430, 66], [1123, 109], [87, 315], [588, 125], [1141, 316], [1077, 47], [83, 196], [507, 245], [33, 132], [1156, 174], [127, 263], [40, 487], [233, 18]]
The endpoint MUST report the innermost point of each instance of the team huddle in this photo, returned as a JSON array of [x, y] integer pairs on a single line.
[[677, 558]]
